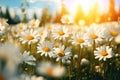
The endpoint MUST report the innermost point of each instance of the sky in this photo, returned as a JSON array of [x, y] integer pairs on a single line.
[[42, 3], [87, 4], [54, 5], [32, 5]]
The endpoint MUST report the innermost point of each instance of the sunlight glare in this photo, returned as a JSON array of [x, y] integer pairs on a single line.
[[86, 4]]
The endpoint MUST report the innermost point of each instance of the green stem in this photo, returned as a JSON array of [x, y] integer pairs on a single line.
[[69, 72], [30, 48], [79, 60], [0, 65], [61, 63], [92, 56], [104, 69], [62, 42]]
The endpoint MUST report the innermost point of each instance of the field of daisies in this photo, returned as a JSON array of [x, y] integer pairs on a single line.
[[59, 51]]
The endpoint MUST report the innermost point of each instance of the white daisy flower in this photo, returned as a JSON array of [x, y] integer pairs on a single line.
[[2, 29], [43, 33], [60, 32], [62, 53], [9, 52], [27, 77], [49, 27], [29, 36], [79, 39], [95, 33], [112, 30], [103, 52], [15, 32], [27, 58], [45, 48], [67, 19], [49, 69], [21, 27], [34, 23]]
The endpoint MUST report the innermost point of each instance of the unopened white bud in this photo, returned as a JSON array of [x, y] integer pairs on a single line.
[[75, 56], [84, 62], [68, 62], [97, 68]]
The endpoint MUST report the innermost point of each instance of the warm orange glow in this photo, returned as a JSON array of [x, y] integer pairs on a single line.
[[88, 4], [97, 20], [109, 18], [84, 3], [86, 12], [81, 22]]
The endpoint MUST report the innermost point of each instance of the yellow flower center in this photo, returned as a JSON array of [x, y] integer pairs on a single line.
[[41, 33], [78, 30], [46, 49], [15, 32], [67, 20], [104, 53], [80, 40], [21, 28], [2, 77], [61, 54], [49, 71], [33, 24], [93, 36], [49, 27], [61, 33], [113, 33], [29, 37]]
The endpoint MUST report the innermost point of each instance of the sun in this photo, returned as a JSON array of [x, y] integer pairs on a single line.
[[86, 5]]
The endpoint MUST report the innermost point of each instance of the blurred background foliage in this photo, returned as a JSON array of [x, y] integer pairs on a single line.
[[47, 15]]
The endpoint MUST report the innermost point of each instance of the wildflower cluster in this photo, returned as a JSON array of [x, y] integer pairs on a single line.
[[59, 51]]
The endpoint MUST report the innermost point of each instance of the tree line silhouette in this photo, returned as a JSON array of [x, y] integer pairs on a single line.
[[93, 16]]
